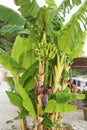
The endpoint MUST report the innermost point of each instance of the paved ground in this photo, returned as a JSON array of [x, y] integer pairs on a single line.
[[76, 120], [7, 111]]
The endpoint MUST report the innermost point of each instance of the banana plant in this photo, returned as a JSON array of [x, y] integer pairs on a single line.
[[41, 57]]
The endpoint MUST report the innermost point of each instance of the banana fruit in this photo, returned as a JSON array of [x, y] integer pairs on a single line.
[[46, 51]]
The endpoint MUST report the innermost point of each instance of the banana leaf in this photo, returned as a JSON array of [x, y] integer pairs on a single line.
[[27, 103], [13, 29], [53, 106], [9, 63], [66, 6], [9, 16], [23, 51], [15, 99], [29, 9], [51, 3], [69, 37]]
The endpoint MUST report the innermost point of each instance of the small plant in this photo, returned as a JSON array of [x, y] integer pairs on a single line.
[[85, 99], [85, 104]]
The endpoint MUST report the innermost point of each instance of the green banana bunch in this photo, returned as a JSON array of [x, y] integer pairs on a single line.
[[45, 51]]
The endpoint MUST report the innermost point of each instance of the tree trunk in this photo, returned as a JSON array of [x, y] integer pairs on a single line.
[[59, 119], [24, 124], [39, 83]]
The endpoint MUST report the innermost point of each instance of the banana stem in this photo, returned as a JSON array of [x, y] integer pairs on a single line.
[[35, 128], [23, 124], [46, 73]]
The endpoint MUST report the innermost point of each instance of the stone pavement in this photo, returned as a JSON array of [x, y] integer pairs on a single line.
[[7, 111]]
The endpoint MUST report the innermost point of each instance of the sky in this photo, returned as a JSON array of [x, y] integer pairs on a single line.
[[10, 3]]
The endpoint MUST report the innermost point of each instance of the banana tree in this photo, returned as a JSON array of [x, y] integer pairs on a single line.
[[6, 41], [41, 57]]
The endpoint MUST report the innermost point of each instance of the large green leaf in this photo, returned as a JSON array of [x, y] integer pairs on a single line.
[[29, 73], [65, 96], [29, 9], [22, 2], [28, 57], [11, 17], [22, 114], [43, 17], [15, 99], [65, 108], [23, 51], [60, 103], [27, 79], [30, 84], [9, 63], [51, 3], [13, 29], [47, 122], [21, 45], [46, 19], [26, 100], [66, 6], [53, 106], [78, 50], [11, 82], [69, 36]]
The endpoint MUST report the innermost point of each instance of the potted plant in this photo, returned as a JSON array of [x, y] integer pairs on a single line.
[[85, 104], [40, 60]]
